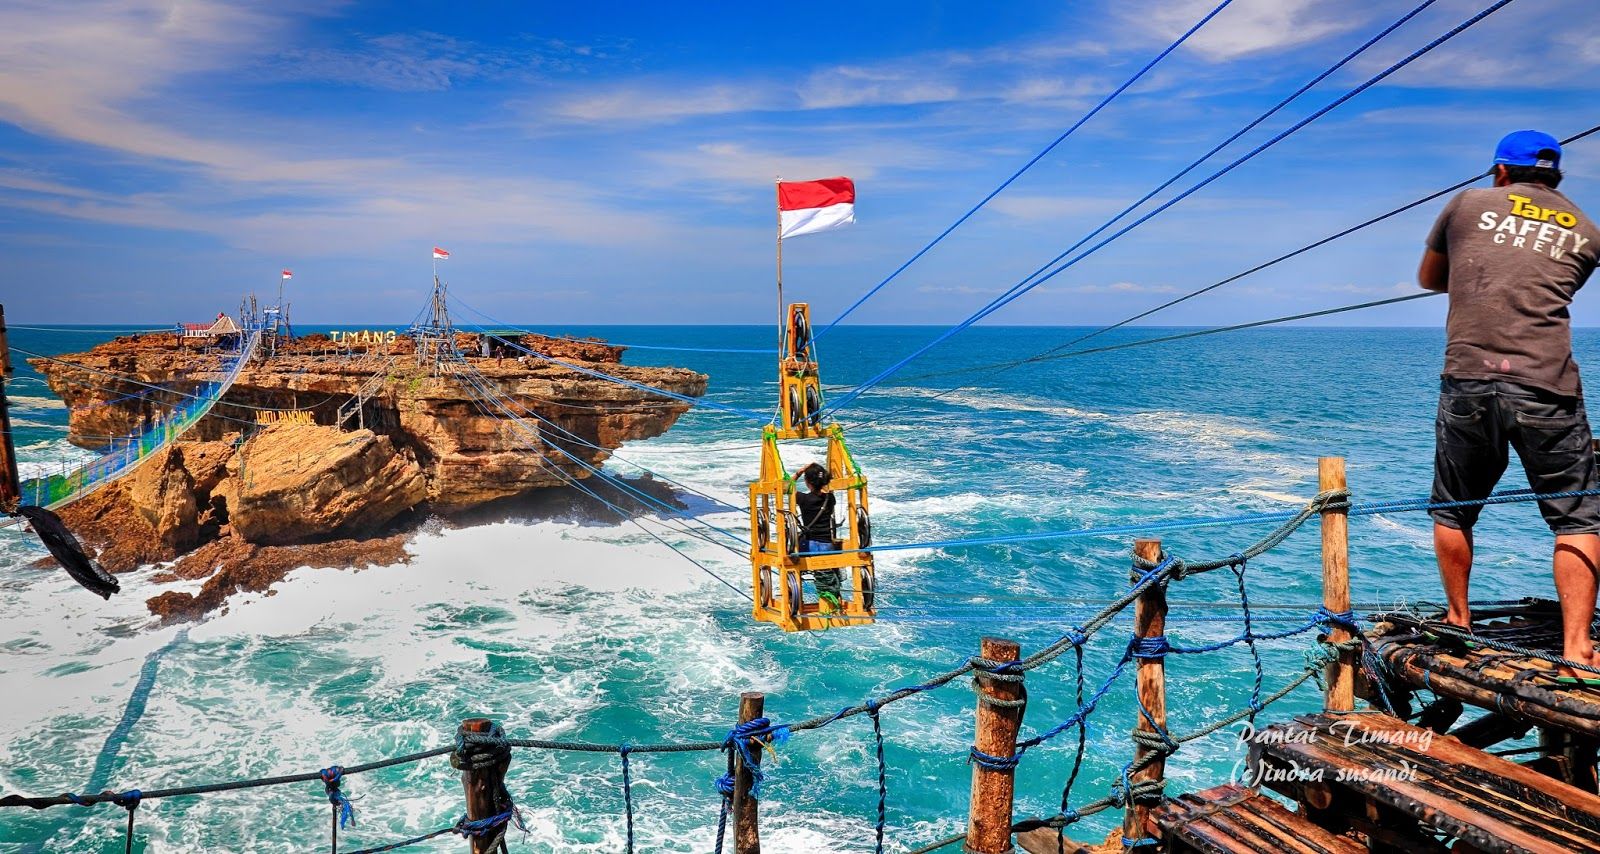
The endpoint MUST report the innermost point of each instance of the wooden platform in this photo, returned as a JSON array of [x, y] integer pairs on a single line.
[[1232, 819], [1518, 686], [1402, 786]]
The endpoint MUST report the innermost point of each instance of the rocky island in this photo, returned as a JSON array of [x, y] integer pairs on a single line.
[[327, 451]]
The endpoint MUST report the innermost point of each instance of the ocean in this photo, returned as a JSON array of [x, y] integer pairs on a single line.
[[562, 622]]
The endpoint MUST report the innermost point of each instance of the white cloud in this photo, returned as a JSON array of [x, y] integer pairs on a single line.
[[1247, 26], [113, 75], [660, 102], [881, 85]]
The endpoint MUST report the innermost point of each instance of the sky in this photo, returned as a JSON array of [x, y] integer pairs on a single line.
[[613, 162]]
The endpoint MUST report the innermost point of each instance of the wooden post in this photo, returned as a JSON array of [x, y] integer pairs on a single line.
[[1341, 675], [989, 818], [10, 489], [1149, 621], [746, 826], [483, 787]]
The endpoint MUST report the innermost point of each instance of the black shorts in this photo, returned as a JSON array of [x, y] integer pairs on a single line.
[[1478, 419]]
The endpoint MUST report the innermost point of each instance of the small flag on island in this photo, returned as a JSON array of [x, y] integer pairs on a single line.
[[440, 254], [287, 274], [807, 207]]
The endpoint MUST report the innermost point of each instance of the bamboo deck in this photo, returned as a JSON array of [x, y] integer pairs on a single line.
[[1517, 686]]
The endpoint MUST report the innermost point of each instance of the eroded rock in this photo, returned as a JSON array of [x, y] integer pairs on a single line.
[[293, 483]]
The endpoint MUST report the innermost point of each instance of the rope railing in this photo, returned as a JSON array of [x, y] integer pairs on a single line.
[[744, 741]]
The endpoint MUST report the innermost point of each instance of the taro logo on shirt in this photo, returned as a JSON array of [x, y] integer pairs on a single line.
[[1528, 226]]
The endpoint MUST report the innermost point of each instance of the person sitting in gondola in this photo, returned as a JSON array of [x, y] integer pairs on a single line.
[[816, 525]]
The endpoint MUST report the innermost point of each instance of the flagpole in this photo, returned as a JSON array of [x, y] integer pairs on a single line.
[[783, 324]]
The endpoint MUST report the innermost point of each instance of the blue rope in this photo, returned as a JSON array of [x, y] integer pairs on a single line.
[[769, 351], [1209, 154], [477, 381], [993, 763], [739, 739], [692, 401], [1152, 648], [627, 794], [588, 444], [1364, 509], [332, 776], [1029, 165], [883, 774], [724, 786], [1024, 286]]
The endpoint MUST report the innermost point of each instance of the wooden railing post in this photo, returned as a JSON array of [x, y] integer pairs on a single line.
[[1341, 675], [999, 718], [485, 786], [745, 809], [1149, 621]]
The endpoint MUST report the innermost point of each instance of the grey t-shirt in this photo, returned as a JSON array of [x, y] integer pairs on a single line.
[[1517, 255]]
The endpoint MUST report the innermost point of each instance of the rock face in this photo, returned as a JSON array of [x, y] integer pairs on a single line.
[[293, 483], [372, 433]]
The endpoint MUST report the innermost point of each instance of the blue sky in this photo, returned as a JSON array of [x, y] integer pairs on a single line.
[[592, 163]]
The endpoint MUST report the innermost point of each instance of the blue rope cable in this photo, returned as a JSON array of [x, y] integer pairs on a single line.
[[1024, 286], [504, 401], [692, 401], [496, 400], [769, 351], [1104, 102], [1362, 509], [625, 516], [883, 775], [613, 455], [332, 778]]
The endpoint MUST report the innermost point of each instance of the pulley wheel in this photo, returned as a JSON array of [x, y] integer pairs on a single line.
[[793, 585], [813, 405], [863, 528], [763, 528], [802, 335], [764, 588], [791, 533]]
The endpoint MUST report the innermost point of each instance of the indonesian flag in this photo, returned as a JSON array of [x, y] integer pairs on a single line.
[[807, 207], [287, 274], [440, 254]]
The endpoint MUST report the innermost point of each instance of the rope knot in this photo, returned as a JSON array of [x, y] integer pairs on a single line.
[[1159, 741], [1154, 647], [993, 763], [624, 749], [332, 776], [1343, 619], [754, 733], [128, 800], [475, 750]]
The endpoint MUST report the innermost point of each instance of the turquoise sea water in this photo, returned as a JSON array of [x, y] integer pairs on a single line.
[[563, 623]]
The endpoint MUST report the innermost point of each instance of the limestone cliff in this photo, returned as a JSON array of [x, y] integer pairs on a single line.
[[326, 441]]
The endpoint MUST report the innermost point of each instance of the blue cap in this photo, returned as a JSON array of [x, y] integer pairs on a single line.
[[1529, 148]]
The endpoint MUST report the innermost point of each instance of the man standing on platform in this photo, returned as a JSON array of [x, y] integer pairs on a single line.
[[1511, 257]]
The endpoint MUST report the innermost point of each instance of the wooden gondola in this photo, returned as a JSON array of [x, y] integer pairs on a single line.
[[779, 572]]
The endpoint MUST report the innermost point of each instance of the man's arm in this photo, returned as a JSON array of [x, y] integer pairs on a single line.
[[1434, 274]]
